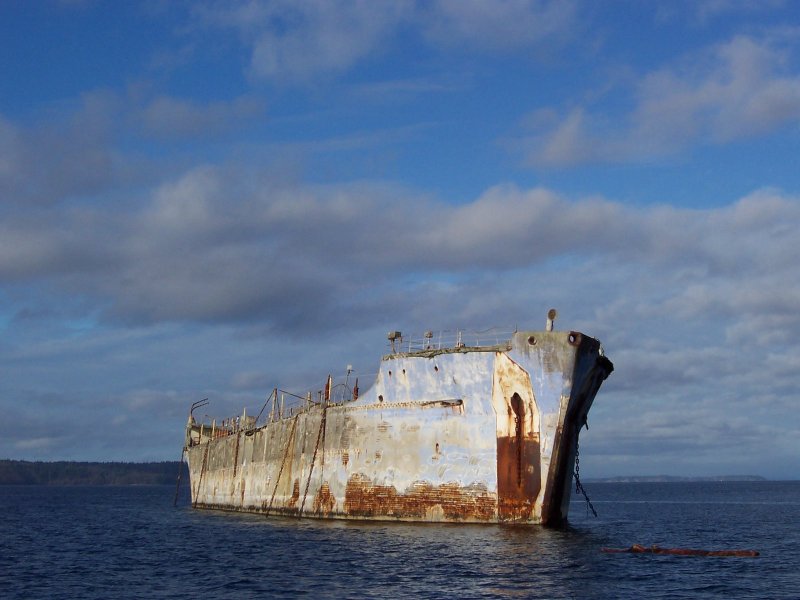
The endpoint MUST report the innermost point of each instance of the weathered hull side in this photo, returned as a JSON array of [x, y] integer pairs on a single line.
[[464, 435]]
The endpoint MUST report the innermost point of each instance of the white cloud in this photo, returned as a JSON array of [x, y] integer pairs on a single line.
[[710, 9], [226, 245], [298, 41], [75, 153], [742, 92], [738, 89], [166, 116], [500, 25], [697, 308], [67, 156], [8, 149], [141, 271], [39, 443]]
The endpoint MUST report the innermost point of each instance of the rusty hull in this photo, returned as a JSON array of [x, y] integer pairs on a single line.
[[467, 434]]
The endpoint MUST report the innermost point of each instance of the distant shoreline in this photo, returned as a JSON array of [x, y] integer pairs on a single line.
[[672, 479], [55, 473], [23, 472]]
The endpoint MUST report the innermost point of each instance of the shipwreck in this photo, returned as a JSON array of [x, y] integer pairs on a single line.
[[479, 428]]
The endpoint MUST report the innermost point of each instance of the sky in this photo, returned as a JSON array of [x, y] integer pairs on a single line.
[[211, 199]]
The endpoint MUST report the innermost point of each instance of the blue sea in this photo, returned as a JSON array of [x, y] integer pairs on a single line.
[[130, 542]]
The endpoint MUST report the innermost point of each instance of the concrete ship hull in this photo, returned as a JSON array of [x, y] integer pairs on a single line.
[[461, 434]]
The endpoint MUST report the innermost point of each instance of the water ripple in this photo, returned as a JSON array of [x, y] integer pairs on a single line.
[[131, 543]]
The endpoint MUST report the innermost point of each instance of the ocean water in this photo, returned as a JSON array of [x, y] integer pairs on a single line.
[[130, 542]]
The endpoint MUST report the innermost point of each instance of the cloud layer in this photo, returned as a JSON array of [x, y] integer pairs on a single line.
[[684, 299], [738, 89], [277, 184], [298, 41]]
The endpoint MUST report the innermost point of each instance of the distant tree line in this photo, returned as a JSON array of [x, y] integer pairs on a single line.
[[22, 472]]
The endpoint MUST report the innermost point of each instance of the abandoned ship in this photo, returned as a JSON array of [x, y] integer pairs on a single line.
[[465, 430]]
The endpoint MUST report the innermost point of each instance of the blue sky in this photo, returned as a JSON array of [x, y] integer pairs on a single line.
[[211, 199]]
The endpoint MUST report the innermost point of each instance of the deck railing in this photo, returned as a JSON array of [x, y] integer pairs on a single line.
[[458, 338]]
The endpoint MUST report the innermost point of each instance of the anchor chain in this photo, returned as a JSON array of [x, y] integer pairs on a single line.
[[578, 485]]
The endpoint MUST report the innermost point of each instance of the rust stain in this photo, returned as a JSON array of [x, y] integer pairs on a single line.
[[324, 500], [518, 477], [236, 457], [295, 494], [518, 466], [422, 500], [518, 448]]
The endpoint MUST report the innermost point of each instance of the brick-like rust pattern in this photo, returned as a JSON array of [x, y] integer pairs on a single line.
[[295, 494], [324, 502], [421, 501]]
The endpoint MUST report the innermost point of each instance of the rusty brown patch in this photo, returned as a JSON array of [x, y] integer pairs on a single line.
[[345, 458], [324, 500], [295, 494], [518, 465], [421, 500], [518, 476]]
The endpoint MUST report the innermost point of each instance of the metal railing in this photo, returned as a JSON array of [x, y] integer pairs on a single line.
[[281, 405], [443, 340]]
